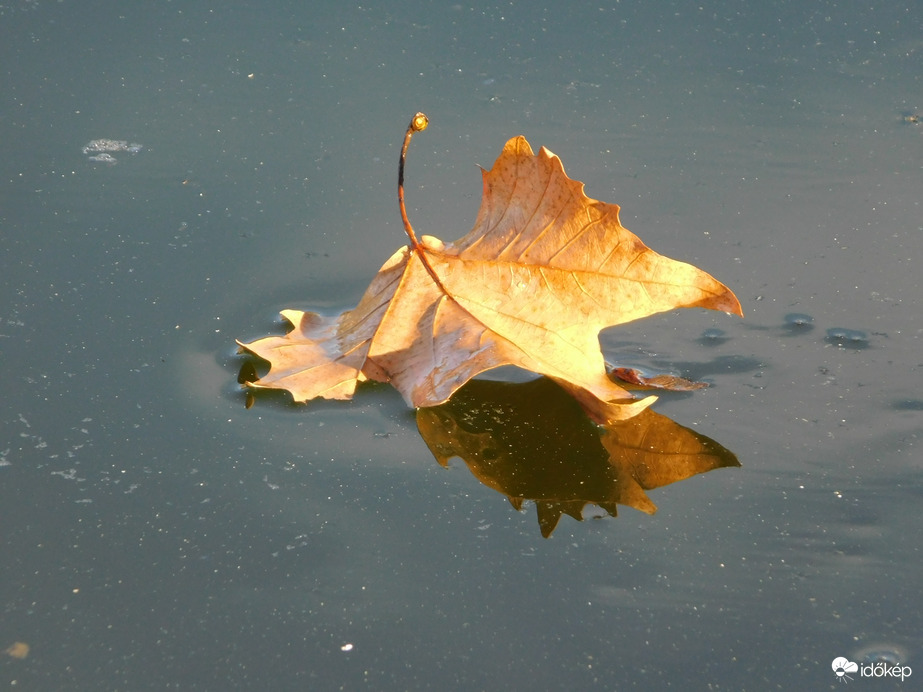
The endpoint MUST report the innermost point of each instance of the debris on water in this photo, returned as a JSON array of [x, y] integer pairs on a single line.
[[100, 149], [17, 650], [112, 145]]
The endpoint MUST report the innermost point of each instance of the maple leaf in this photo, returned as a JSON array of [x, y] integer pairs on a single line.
[[544, 269]]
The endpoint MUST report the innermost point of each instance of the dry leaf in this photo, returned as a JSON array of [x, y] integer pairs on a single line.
[[529, 441], [544, 269]]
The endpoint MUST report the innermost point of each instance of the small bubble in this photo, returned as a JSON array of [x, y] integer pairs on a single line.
[[798, 321], [847, 338], [713, 337], [890, 657], [881, 653]]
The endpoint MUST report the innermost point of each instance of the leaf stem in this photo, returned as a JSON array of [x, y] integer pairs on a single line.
[[417, 124]]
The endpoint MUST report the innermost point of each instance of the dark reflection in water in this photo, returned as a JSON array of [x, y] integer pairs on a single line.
[[531, 441]]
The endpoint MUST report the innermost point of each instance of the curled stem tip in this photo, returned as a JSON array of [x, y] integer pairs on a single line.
[[419, 122]]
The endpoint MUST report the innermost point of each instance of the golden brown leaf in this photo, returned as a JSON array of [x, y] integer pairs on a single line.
[[544, 269]]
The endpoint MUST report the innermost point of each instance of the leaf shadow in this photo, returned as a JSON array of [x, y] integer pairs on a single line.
[[532, 442]]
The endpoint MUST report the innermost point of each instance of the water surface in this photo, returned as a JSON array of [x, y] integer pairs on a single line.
[[157, 534]]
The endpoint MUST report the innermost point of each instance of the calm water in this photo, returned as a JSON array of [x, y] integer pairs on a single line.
[[156, 534]]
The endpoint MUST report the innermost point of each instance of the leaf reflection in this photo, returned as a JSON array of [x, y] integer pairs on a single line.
[[530, 441]]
